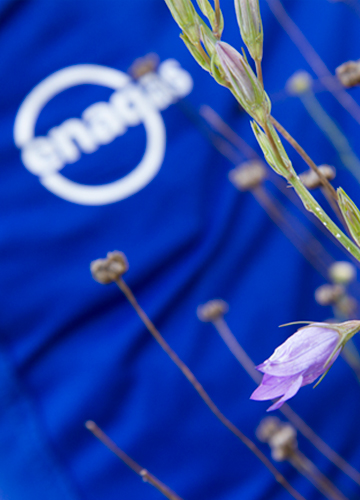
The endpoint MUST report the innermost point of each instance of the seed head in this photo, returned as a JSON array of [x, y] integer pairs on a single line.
[[342, 272], [212, 310], [280, 436], [299, 83], [311, 180], [327, 295], [144, 65], [349, 73], [107, 270], [249, 175]]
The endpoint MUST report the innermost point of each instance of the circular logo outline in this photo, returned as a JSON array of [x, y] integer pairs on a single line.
[[82, 194]]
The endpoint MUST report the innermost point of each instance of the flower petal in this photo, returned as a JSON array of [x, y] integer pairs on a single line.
[[292, 390], [308, 346], [314, 371], [272, 387]]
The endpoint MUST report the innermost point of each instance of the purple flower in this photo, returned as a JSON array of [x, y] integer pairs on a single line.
[[300, 360]]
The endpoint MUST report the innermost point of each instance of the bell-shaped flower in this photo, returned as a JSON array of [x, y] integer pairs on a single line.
[[301, 359]]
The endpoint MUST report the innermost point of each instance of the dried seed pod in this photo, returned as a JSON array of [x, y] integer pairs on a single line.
[[327, 295], [248, 175], [280, 436], [349, 73], [107, 270], [212, 310], [267, 427], [311, 180], [299, 83], [283, 443], [143, 65], [347, 306], [342, 272]]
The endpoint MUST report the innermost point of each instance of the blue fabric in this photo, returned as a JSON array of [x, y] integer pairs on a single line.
[[74, 350]]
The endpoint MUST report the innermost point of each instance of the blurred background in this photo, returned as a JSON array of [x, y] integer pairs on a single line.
[[104, 147]]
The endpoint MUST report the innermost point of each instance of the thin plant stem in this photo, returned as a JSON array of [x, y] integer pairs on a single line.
[[202, 393], [218, 124], [309, 250], [259, 71], [297, 203], [247, 363], [217, 18], [314, 60], [349, 353], [332, 132], [309, 201], [351, 356], [308, 469], [140, 471], [304, 156], [353, 4], [230, 135]]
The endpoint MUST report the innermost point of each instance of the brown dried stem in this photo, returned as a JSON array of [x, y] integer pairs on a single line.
[[140, 471], [312, 250], [304, 156], [308, 469], [314, 60], [220, 126], [202, 393], [329, 191]]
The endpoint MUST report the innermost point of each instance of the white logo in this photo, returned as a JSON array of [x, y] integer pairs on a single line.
[[130, 104]]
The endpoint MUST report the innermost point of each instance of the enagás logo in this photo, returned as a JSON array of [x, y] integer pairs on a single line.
[[131, 104]]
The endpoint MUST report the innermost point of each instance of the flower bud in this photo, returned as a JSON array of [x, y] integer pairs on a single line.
[[350, 213], [349, 73], [186, 17], [212, 310], [244, 84], [207, 10], [250, 24], [327, 295], [217, 25], [249, 175], [195, 52], [107, 270], [311, 180], [342, 273], [299, 83]]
